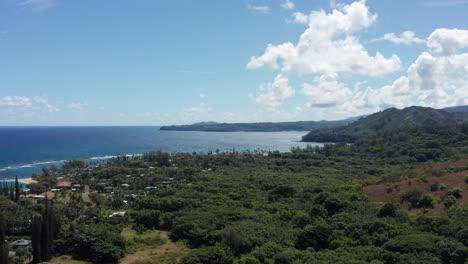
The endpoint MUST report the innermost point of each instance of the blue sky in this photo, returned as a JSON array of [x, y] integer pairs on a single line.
[[146, 62]]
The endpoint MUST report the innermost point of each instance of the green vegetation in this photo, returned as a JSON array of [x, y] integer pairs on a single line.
[[391, 119], [260, 127], [303, 206]]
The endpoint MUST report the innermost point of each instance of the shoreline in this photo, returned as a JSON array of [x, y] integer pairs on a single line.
[[27, 180]]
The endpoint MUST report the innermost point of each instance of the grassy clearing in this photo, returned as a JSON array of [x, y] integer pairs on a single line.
[[151, 246], [66, 260]]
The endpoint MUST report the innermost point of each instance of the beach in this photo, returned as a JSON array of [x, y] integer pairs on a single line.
[[27, 180]]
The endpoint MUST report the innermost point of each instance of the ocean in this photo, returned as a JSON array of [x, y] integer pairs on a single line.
[[25, 150]]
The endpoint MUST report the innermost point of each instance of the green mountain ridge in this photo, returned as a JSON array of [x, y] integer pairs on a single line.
[[389, 119], [260, 127]]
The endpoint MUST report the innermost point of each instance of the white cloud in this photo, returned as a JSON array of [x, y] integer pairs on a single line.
[[288, 5], [202, 95], [271, 95], [38, 6], [258, 10], [78, 105], [45, 103], [299, 18], [406, 38], [328, 47], [437, 78], [447, 41], [326, 91], [17, 101]]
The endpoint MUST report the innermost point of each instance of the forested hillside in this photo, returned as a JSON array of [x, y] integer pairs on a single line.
[[387, 120]]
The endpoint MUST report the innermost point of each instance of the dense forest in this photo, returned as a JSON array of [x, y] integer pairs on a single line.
[[260, 127], [308, 205], [389, 120]]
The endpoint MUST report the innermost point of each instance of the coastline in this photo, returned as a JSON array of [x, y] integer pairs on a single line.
[[27, 180]]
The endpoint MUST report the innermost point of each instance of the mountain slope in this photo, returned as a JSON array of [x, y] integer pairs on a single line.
[[389, 119], [260, 127], [457, 109]]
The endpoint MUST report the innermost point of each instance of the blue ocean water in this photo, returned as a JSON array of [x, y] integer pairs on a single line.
[[25, 150]]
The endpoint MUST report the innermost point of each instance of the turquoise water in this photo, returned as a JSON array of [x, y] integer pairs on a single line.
[[25, 150], [24, 186]]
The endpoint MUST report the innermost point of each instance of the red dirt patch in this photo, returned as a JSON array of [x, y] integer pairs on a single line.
[[444, 165], [387, 192]]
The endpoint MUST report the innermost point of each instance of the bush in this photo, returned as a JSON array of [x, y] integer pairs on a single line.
[[388, 210], [314, 236], [435, 187], [214, 255], [457, 192], [449, 201], [147, 218], [97, 243], [414, 242], [412, 197], [427, 200]]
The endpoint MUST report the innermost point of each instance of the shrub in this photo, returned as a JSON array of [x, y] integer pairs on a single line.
[[427, 200], [388, 210], [97, 243], [449, 201], [414, 242], [412, 197], [457, 192], [213, 254], [435, 187], [314, 236]]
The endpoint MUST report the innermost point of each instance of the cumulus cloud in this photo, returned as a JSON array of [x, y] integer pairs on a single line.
[[447, 41], [38, 6], [326, 91], [258, 10], [15, 101], [271, 95], [437, 78], [328, 47], [299, 18], [288, 5], [406, 38]]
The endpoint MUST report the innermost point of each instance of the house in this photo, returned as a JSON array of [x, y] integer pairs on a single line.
[[63, 185]]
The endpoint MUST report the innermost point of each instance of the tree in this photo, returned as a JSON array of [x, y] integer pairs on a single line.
[[214, 255], [96, 243], [3, 245], [36, 238], [17, 189], [388, 210], [314, 236], [44, 230]]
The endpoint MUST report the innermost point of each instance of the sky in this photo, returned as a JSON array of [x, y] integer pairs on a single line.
[[146, 62]]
